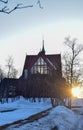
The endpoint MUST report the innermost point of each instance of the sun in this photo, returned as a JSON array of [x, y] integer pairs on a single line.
[[76, 91]]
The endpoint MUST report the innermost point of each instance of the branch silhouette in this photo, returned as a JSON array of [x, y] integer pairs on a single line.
[[7, 10]]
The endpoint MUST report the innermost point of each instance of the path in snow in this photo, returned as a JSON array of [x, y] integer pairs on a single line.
[[59, 118], [27, 120]]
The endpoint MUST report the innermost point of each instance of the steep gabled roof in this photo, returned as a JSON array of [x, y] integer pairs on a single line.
[[29, 61], [53, 61]]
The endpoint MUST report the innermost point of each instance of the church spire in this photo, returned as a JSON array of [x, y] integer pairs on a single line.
[[43, 49]]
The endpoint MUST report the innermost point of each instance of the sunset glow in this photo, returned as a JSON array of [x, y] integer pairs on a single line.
[[77, 92]]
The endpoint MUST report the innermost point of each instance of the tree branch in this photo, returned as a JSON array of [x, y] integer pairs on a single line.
[[39, 3], [18, 6], [6, 10], [4, 1]]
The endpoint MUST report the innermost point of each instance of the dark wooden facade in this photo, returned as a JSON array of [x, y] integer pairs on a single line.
[[41, 77], [9, 88]]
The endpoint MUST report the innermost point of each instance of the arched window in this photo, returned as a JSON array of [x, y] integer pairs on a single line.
[[40, 66]]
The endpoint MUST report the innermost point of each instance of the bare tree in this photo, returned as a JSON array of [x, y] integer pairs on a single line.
[[14, 72], [4, 8], [72, 66], [11, 71], [72, 62], [2, 74]]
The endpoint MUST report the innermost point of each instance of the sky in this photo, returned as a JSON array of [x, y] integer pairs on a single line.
[[22, 31]]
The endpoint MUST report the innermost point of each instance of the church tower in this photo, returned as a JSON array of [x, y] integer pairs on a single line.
[[43, 49]]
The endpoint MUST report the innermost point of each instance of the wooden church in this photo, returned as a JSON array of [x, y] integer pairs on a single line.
[[41, 77]]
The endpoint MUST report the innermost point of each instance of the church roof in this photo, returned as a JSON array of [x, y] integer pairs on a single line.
[[53, 60]]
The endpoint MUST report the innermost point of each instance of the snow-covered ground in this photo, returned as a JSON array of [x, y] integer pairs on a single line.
[[21, 109], [59, 118]]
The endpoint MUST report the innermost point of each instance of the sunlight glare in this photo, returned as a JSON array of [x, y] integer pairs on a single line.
[[76, 91]]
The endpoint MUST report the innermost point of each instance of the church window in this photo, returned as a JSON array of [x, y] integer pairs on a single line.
[[40, 66]]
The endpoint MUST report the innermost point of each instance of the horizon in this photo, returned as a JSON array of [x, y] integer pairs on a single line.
[[21, 31]]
